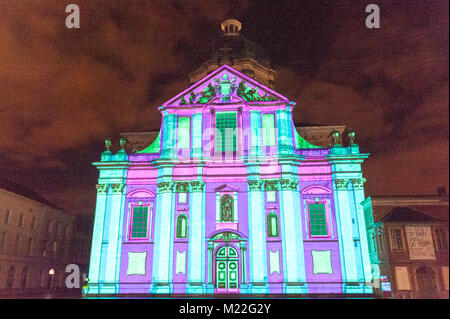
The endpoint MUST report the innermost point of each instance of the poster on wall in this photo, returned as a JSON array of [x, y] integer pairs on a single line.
[[420, 242]]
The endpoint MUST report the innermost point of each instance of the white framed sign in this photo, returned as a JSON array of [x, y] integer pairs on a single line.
[[420, 242]]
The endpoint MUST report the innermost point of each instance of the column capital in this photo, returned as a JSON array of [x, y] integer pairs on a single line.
[[182, 187], [271, 185], [288, 184], [102, 188], [358, 183], [197, 186], [165, 187], [255, 185], [341, 184], [118, 188]]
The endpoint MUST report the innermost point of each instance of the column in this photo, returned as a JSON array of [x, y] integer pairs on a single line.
[[210, 285], [358, 191], [94, 265], [243, 265], [257, 238], [112, 265], [162, 256], [197, 229], [344, 221], [292, 237]]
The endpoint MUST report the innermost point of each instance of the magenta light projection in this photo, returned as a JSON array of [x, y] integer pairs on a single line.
[[229, 198]]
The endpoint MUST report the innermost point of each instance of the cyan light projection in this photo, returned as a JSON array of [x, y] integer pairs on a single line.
[[229, 198]]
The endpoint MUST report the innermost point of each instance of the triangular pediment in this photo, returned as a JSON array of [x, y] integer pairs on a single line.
[[225, 85], [226, 188]]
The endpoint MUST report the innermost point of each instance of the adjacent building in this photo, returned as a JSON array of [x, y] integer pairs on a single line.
[[37, 241], [408, 244], [229, 197]]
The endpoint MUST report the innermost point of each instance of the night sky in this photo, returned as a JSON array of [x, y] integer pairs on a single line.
[[62, 91]]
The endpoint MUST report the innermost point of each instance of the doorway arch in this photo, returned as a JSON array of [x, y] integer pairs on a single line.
[[10, 277], [426, 281], [227, 266], [226, 269], [23, 279]]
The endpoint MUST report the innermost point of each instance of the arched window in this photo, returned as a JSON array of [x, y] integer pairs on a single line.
[[21, 220], [39, 277], [181, 226], [30, 246], [44, 248], [272, 225], [23, 280], [226, 208], [2, 241], [54, 247], [10, 278], [16, 245]]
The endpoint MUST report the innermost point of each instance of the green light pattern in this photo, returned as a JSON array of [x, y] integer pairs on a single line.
[[181, 226], [140, 215], [180, 263], [318, 220], [154, 147], [274, 261], [249, 94], [184, 132], [272, 225], [322, 262], [300, 142], [268, 124], [136, 263], [226, 125], [271, 196]]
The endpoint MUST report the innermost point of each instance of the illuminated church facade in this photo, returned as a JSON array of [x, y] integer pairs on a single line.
[[229, 198]]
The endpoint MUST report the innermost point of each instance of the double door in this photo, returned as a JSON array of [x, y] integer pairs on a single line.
[[227, 270]]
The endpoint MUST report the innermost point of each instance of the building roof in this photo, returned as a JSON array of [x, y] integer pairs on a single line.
[[15, 188], [406, 214], [236, 47]]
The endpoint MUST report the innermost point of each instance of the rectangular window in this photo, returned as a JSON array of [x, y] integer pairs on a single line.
[[226, 142], [140, 221], [396, 239], [445, 276], [380, 241], [7, 215], [2, 241], [402, 278], [318, 220], [182, 198], [373, 244], [271, 196], [441, 238], [268, 126], [184, 132]]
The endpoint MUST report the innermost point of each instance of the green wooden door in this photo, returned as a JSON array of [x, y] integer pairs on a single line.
[[227, 269], [232, 274]]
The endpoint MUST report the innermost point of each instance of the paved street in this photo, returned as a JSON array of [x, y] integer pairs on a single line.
[[55, 295]]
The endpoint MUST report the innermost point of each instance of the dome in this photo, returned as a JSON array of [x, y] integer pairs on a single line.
[[235, 50]]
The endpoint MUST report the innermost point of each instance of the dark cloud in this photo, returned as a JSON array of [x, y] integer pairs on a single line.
[[62, 91]]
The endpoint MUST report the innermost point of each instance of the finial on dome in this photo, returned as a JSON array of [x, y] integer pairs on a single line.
[[231, 27]]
